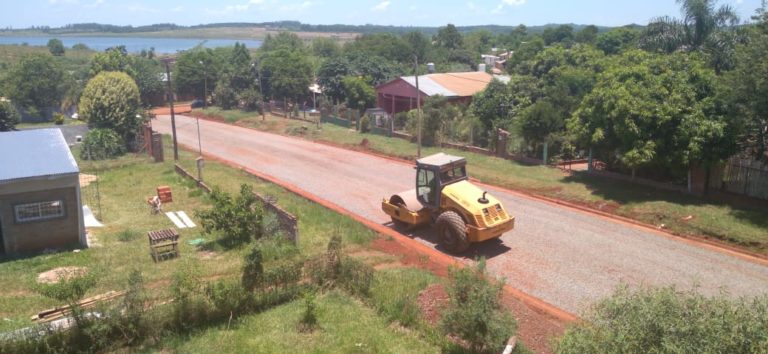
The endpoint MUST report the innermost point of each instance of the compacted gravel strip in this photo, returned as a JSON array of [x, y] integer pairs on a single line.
[[566, 257]]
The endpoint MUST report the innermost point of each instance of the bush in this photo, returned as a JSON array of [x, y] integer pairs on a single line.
[[228, 297], [224, 96], [365, 124], [335, 270], [669, 321], [395, 293], [308, 321], [101, 144], [111, 100], [475, 313], [238, 219], [253, 270], [251, 100], [58, 118], [9, 116]]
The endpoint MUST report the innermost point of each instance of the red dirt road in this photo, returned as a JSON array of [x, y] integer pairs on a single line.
[[563, 256]]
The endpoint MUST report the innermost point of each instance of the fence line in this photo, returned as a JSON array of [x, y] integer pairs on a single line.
[[747, 177]]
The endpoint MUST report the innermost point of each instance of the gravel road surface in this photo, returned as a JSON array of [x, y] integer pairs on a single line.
[[566, 257]]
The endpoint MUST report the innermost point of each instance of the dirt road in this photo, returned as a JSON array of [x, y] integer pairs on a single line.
[[566, 257]]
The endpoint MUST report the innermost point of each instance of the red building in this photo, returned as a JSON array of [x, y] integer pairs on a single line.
[[399, 95]]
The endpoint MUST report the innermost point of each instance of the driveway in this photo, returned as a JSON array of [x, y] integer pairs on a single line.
[[563, 256]]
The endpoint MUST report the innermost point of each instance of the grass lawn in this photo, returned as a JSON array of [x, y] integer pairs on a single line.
[[67, 121], [346, 326], [124, 184], [746, 227]]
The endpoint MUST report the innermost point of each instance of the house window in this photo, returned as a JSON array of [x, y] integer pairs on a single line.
[[39, 211]]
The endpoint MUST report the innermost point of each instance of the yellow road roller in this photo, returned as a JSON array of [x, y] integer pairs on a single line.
[[461, 212]]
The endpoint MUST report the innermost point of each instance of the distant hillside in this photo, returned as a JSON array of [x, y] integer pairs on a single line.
[[88, 28]]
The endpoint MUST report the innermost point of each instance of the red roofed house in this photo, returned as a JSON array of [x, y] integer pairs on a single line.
[[399, 95]]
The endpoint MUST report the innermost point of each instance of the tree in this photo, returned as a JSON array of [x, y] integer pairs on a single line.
[[448, 37], [359, 92], [330, 76], [539, 121], [747, 91], [475, 313], [560, 34], [145, 72], [197, 68], [35, 82], [703, 27], [435, 113], [284, 40], [56, 47], [287, 74], [418, 43], [102, 144], [587, 34], [111, 100], [326, 47], [9, 116], [617, 40], [660, 111], [668, 320], [491, 104]]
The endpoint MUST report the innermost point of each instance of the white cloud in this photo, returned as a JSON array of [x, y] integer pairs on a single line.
[[294, 7], [56, 2], [505, 3], [382, 6]]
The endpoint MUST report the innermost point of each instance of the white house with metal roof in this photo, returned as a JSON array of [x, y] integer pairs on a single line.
[[40, 205]]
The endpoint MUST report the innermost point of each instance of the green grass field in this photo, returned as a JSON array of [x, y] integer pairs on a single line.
[[745, 227]]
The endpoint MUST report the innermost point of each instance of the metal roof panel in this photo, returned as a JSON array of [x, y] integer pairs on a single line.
[[35, 153]]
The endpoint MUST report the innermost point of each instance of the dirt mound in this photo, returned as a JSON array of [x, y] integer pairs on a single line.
[[56, 275]]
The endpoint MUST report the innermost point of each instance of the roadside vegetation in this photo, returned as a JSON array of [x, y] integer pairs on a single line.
[[667, 320], [242, 276]]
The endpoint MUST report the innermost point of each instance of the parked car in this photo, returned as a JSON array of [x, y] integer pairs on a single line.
[[197, 103]]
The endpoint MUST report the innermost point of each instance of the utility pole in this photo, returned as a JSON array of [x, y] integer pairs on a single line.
[[167, 62], [418, 105], [205, 85]]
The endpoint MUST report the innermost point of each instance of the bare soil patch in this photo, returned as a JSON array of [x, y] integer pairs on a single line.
[[86, 179], [56, 275]]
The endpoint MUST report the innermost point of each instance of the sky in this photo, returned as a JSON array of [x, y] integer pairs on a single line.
[[54, 13]]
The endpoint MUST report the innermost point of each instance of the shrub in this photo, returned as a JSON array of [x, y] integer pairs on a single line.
[[101, 144], [224, 96], [251, 100], [475, 313], [335, 270], [365, 124], [238, 219], [58, 118], [356, 277], [253, 270], [395, 292], [111, 100], [228, 297], [9, 116], [670, 321], [308, 321]]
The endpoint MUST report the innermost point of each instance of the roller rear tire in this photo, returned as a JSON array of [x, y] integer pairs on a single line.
[[452, 232]]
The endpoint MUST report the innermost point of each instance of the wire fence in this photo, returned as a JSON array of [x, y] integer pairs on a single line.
[[746, 176]]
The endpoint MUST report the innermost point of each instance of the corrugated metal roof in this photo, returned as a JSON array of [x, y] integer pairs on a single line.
[[35, 153], [428, 86], [454, 84]]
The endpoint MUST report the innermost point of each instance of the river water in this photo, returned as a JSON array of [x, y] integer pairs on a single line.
[[132, 44]]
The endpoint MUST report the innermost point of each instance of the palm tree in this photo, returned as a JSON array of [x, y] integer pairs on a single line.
[[704, 26]]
